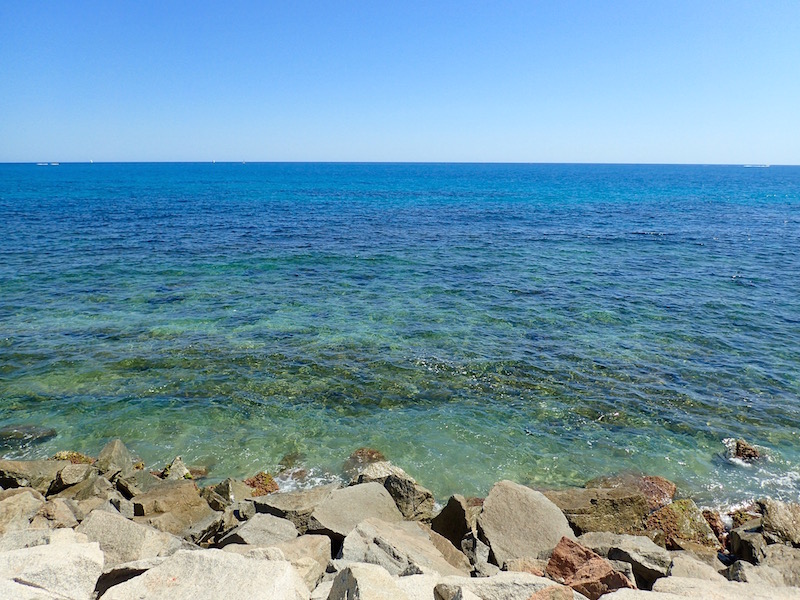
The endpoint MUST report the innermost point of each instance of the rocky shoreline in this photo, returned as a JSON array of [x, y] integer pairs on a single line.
[[78, 527]]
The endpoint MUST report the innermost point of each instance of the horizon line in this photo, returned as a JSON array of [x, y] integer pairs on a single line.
[[393, 162]]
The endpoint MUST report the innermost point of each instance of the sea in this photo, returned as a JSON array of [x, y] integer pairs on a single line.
[[545, 323]]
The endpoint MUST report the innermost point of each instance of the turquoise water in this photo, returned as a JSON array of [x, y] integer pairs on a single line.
[[544, 323]]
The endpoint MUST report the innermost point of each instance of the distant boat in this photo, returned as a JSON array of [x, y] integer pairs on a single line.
[[41, 164], [756, 166], [53, 164]]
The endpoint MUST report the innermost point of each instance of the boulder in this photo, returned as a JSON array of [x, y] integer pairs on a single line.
[[518, 522], [456, 519], [721, 590], [684, 564], [17, 591], [176, 470], [658, 491], [175, 507], [583, 570], [67, 570], [759, 574], [534, 566], [639, 595], [71, 475], [194, 575], [309, 570], [37, 474], [261, 530], [15, 436], [365, 582], [780, 521], [125, 541], [503, 586], [648, 560], [785, 560], [744, 451], [233, 490], [294, 506], [93, 486], [17, 510], [747, 542], [682, 520], [322, 590], [115, 460], [54, 514], [28, 538], [418, 587], [477, 554], [317, 547], [359, 459], [415, 502], [339, 513], [399, 547], [714, 520], [119, 573], [622, 509], [138, 483], [554, 592]]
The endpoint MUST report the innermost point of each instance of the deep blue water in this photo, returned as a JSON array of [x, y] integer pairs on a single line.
[[544, 323]]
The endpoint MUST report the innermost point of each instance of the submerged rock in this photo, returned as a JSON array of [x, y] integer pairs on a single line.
[[20, 435], [359, 459], [745, 451], [658, 491]]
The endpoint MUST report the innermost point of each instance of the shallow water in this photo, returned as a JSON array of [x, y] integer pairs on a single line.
[[544, 323]]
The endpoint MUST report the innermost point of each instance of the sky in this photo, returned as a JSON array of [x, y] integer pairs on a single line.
[[640, 81]]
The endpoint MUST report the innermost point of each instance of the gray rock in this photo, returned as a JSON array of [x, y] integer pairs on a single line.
[[28, 538], [176, 470], [477, 554], [213, 574], [414, 502], [760, 574], [747, 543], [518, 522], [233, 490], [722, 590], [317, 547], [781, 521], [55, 514], [138, 483], [624, 568], [124, 541], [17, 510], [93, 486], [69, 476], [68, 570], [261, 530], [309, 570], [215, 501], [456, 519], [686, 565], [115, 460], [365, 582], [17, 591], [648, 560], [120, 573], [786, 560], [322, 590], [294, 506], [339, 513], [176, 507], [21, 435], [418, 587], [625, 594], [37, 474], [503, 586], [400, 547]]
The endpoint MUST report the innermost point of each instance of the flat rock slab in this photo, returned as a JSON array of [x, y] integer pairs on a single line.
[[339, 513], [37, 474], [294, 506], [11, 590], [28, 538], [176, 507], [518, 522], [781, 521], [503, 586], [124, 541], [261, 530], [616, 510], [365, 582], [686, 565], [400, 547], [723, 590], [65, 570], [210, 575]]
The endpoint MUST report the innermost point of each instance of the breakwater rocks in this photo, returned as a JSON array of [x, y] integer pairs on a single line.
[[75, 527]]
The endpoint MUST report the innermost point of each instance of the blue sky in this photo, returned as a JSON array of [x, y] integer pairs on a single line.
[[639, 81]]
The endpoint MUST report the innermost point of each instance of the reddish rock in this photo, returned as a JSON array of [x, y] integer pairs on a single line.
[[584, 571], [361, 457], [76, 458], [682, 520], [745, 451], [262, 484], [714, 521]]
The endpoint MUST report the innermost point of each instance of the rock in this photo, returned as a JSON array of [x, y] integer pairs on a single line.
[[125, 541], [115, 460], [120, 573], [740, 516], [261, 484], [399, 547], [65, 570], [37, 474], [294, 506], [786, 560], [93, 486], [518, 522], [359, 458], [176, 470], [233, 490], [309, 570], [261, 530], [175, 507], [20, 435], [317, 547], [456, 519], [758, 574], [17, 591], [322, 591], [414, 501], [658, 491], [138, 483], [76, 458], [686, 565], [534, 566], [6, 494], [583, 570], [418, 587], [554, 592], [503, 586], [622, 509], [17, 510], [70, 475], [477, 554], [55, 514], [747, 543], [215, 501], [704, 554], [682, 520], [714, 520], [451, 554], [28, 538], [365, 582], [195, 575], [780, 521], [335, 515], [624, 568], [639, 595], [745, 451], [721, 590], [648, 561]]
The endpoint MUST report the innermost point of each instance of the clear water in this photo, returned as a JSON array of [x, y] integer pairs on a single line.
[[544, 323]]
